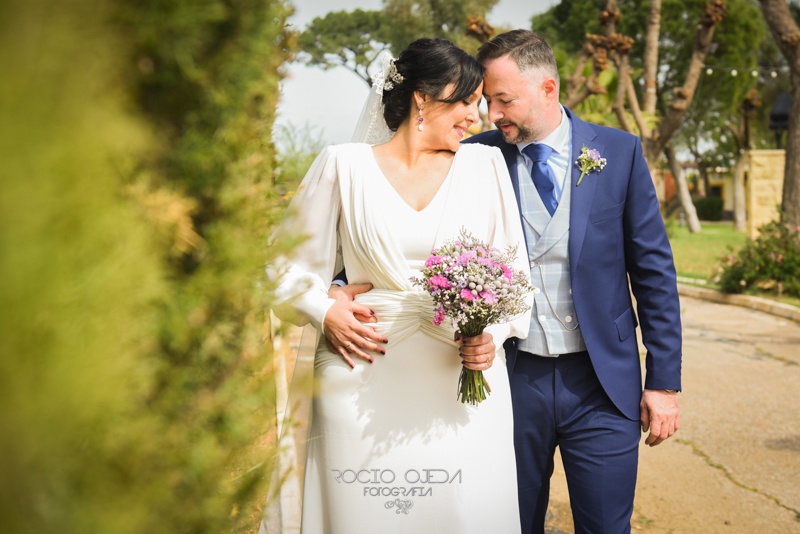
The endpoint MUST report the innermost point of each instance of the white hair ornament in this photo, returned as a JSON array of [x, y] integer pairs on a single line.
[[371, 127]]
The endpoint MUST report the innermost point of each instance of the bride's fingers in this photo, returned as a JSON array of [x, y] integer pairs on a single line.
[[478, 366], [370, 337], [357, 351], [367, 339], [346, 356], [480, 362], [477, 346], [363, 313]]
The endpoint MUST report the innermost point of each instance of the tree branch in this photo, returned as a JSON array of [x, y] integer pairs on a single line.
[[577, 80], [633, 103], [579, 87], [715, 12], [619, 101]]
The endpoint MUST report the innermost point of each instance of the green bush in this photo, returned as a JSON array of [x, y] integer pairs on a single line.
[[137, 170], [709, 208], [770, 263]]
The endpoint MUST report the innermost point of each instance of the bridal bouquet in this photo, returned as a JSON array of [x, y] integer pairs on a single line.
[[473, 285]]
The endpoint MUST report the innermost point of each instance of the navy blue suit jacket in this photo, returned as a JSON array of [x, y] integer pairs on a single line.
[[616, 233]]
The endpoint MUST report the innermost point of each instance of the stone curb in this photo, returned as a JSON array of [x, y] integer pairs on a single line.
[[787, 311]]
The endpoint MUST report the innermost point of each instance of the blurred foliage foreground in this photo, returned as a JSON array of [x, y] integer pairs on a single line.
[[137, 171]]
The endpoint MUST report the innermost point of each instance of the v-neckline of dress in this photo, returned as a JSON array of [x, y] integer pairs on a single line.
[[434, 198]]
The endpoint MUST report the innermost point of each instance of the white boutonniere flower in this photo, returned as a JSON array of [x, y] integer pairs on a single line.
[[589, 161]]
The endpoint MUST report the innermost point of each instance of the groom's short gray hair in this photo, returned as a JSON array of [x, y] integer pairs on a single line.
[[529, 50]]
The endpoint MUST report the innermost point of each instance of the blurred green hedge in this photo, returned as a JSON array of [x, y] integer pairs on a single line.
[[709, 208], [137, 177]]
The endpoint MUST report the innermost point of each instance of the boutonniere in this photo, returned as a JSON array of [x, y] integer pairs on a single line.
[[589, 161]]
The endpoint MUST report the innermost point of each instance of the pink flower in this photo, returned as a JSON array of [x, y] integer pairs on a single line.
[[488, 297], [439, 281], [438, 317], [433, 260], [466, 257], [466, 294], [506, 271]]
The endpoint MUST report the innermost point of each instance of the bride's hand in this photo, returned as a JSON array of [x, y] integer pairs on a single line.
[[344, 331], [478, 352], [348, 294]]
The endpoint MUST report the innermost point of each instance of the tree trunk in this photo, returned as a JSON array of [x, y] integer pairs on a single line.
[[703, 186], [787, 36], [651, 56], [740, 135], [739, 195], [683, 191], [791, 175]]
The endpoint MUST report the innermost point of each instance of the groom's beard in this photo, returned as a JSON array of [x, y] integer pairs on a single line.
[[524, 133]]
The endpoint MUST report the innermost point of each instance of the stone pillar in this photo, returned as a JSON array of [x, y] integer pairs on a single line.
[[764, 188]]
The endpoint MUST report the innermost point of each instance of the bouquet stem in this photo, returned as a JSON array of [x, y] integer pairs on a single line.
[[472, 385]]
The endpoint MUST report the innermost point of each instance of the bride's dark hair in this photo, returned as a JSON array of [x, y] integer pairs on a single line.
[[428, 65]]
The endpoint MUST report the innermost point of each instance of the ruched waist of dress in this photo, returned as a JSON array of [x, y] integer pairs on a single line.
[[402, 313]]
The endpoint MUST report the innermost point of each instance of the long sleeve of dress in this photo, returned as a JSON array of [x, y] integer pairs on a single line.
[[305, 276]]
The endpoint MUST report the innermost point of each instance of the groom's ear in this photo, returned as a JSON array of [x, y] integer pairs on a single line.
[[550, 88]]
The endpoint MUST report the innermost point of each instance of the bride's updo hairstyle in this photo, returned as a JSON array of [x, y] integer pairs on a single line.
[[427, 66]]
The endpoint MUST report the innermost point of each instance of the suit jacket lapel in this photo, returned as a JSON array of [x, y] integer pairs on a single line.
[[581, 199], [510, 153]]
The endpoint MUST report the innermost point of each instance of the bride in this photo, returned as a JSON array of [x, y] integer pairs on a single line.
[[391, 448]]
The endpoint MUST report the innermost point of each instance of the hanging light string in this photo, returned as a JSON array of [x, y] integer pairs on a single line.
[[734, 72]]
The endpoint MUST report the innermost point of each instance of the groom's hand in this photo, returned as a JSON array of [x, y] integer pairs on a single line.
[[478, 352], [344, 331], [659, 414]]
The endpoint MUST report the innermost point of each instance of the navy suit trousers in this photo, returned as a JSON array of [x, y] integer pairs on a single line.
[[559, 402]]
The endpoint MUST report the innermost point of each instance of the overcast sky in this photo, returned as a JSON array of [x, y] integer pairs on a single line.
[[330, 101]]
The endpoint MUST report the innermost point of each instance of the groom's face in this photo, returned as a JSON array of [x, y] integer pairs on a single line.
[[517, 101]]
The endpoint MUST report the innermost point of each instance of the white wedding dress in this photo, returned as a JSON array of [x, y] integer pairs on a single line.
[[391, 449]]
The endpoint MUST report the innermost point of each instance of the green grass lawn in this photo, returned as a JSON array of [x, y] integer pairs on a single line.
[[697, 254]]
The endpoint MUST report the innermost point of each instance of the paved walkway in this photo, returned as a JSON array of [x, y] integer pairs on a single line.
[[734, 466]]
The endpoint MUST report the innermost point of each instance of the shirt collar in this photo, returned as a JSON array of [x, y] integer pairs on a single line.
[[558, 138]]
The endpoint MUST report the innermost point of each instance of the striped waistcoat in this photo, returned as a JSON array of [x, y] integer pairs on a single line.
[[554, 326]]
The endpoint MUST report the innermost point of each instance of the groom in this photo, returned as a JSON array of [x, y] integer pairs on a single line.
[[576, 379]]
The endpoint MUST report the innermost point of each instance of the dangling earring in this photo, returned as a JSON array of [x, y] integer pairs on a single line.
[[419, 120]]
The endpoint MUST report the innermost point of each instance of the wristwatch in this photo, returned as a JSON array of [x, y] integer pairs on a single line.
[[671, 390]]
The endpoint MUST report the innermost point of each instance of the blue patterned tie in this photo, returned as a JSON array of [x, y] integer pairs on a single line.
[[542, 175]]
